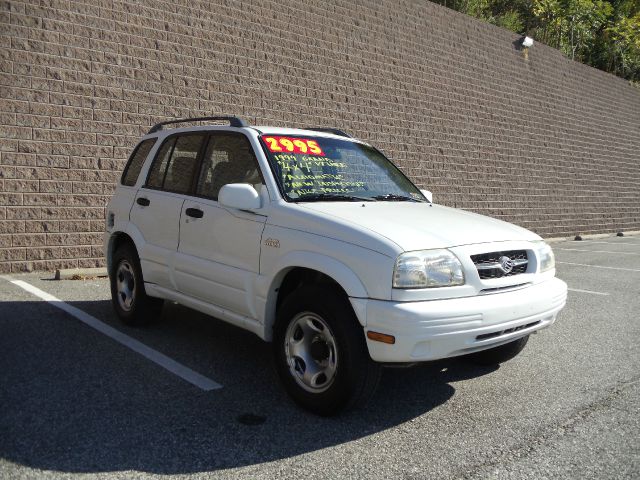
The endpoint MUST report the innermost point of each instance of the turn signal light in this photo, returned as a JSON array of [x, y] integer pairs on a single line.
[[381, 337]]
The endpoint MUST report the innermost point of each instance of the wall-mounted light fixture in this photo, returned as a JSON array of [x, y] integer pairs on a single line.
[[527, 42]]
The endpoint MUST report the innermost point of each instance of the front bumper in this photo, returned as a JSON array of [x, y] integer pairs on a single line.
[[435, 329]]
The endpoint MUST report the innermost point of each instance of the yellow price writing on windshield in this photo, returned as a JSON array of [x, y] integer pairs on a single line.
[[293, 145]]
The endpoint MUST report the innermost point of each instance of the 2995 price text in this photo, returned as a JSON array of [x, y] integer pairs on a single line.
[[292, 145]]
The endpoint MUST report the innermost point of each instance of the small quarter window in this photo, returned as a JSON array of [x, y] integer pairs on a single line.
[[159, 167], [136, 161]]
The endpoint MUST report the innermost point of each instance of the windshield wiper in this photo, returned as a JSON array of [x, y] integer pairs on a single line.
[[332, 197], [396, 198]]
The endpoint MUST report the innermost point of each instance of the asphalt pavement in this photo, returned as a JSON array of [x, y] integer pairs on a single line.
[[76, 402]]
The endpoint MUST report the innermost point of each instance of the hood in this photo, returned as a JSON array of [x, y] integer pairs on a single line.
[[419, 226]]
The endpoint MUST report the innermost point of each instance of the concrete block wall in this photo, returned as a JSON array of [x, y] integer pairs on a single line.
[[543, 142]]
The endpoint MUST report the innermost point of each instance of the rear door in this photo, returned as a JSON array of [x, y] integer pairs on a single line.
[[219, 251], [158, 204]]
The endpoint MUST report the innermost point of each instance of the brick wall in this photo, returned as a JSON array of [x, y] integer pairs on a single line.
[[546, 143]]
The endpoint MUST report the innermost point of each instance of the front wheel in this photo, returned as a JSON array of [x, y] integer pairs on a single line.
[[320, 351], [501, 354]]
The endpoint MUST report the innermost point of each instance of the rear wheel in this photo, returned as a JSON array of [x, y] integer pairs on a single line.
[[320, 351], [501, 354], [128, 296]]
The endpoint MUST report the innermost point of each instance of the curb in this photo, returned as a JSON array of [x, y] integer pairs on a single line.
[[591, 236], [80, 273]]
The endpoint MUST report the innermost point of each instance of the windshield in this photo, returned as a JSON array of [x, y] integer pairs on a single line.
[[309, 168]]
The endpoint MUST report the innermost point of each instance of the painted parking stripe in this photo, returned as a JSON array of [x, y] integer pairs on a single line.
[[595, 251], [579, 290], [156, 357], [600, 266]]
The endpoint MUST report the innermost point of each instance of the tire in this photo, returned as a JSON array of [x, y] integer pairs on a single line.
[[501, 354], [317, 323], [128, 296]]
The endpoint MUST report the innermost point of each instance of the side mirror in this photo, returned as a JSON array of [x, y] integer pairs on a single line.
[[428, 195], [239, 195]]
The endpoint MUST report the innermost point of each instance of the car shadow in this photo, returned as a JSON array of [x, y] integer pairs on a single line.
[[75, 401]]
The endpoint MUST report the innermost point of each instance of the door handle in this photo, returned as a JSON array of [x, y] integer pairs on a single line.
[[143, 201], [194, 212]]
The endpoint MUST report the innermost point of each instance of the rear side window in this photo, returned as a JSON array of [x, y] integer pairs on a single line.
[[134, 165], [175, 164]]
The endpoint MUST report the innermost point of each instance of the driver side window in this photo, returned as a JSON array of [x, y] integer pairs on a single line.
[[229, 158]]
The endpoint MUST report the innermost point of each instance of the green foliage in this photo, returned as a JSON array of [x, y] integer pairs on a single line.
[[624, 55], [604, 34], [571, 26], [511, 20]]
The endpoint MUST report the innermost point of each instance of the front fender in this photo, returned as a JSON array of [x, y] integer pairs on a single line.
[[331, 267]]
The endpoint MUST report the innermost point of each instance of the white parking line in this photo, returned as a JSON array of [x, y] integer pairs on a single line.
[[587, 291], [595, 251], [156, 357], [600, 266]]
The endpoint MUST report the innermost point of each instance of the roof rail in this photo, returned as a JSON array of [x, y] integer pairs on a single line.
[[335, 131], [233, 122]]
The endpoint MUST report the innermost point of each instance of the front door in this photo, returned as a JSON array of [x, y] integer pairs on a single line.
[[219, 251]]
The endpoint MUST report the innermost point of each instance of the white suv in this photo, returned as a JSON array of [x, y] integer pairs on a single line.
[[316, 242]]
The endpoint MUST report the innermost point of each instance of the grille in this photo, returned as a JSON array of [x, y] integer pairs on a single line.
[[496, 265], [486, 336], [508, 288]]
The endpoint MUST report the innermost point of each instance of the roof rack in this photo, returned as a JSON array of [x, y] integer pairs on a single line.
[[335, 131], [233, 122]]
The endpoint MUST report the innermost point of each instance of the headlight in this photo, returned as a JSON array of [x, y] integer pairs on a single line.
[[426, 269], [545, 256]]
